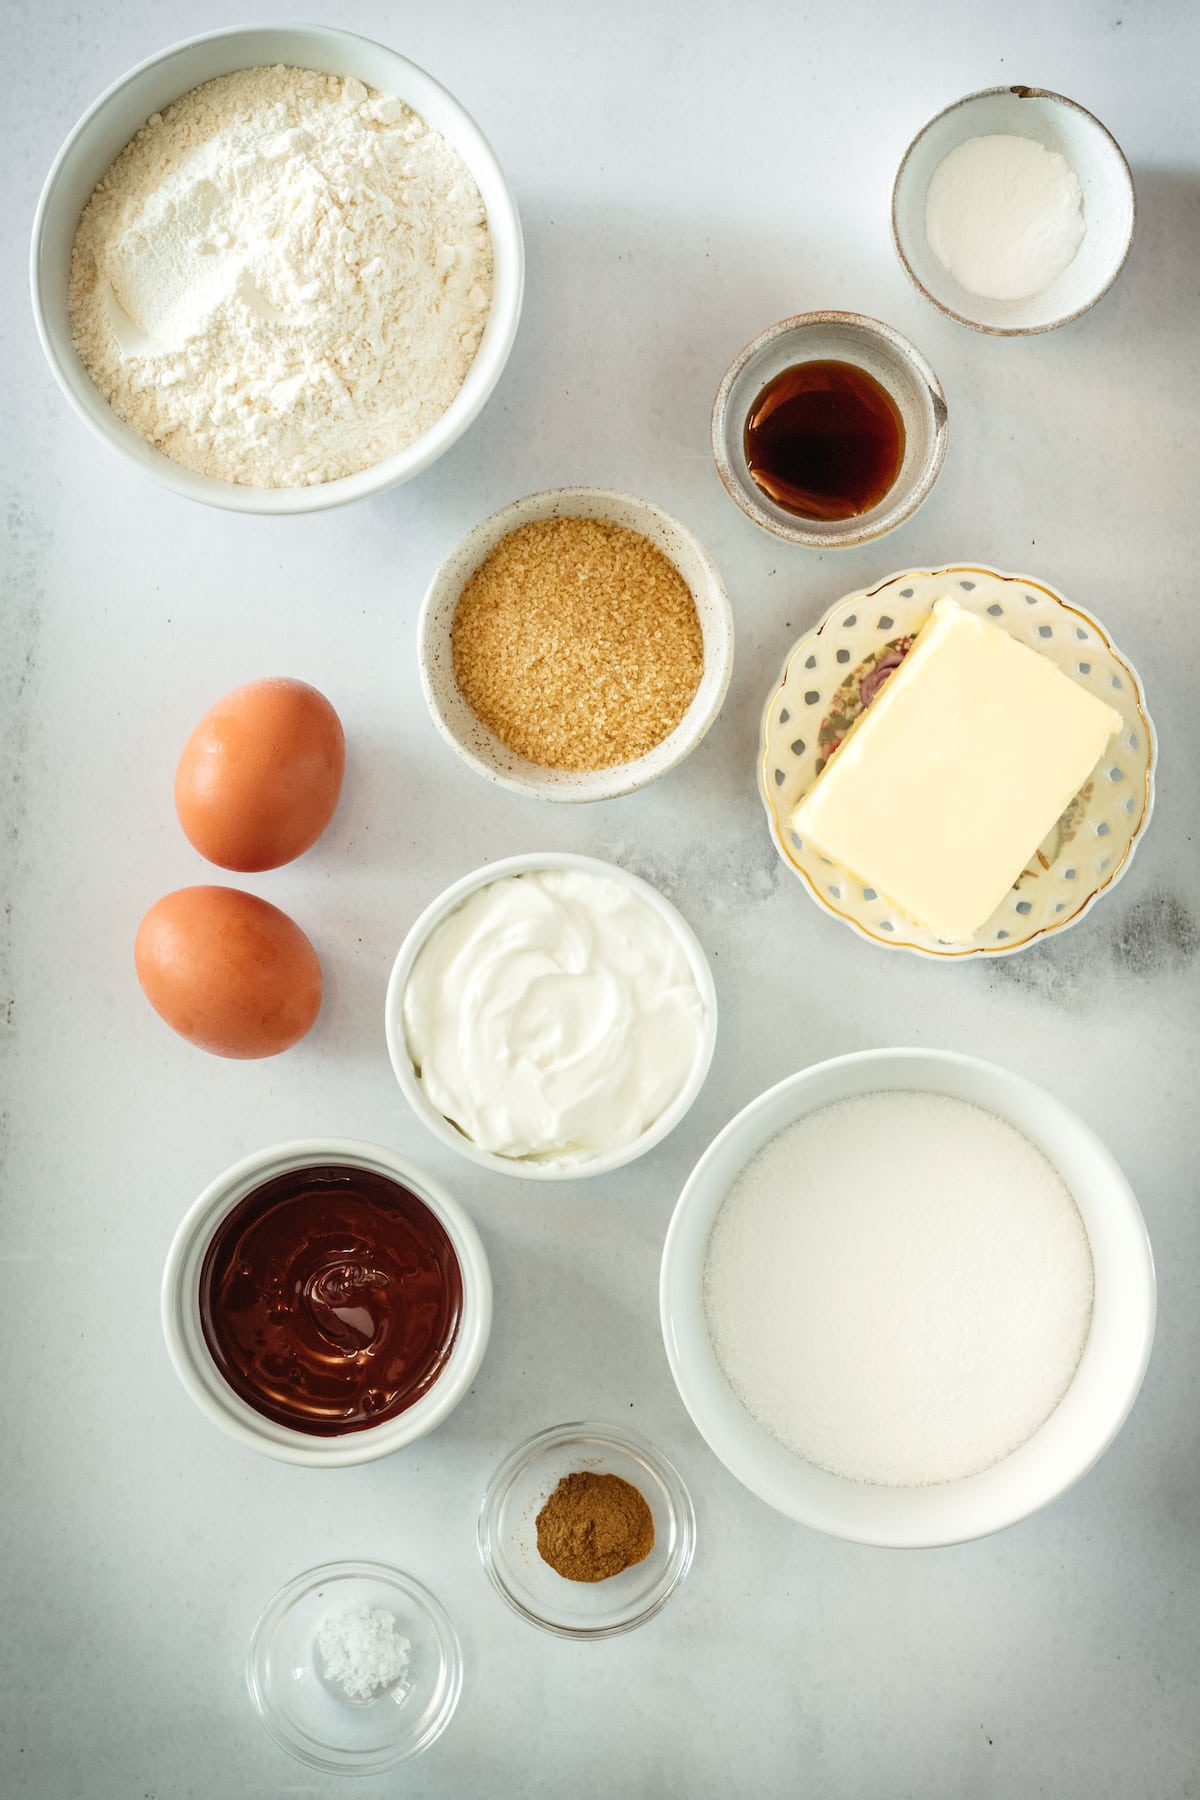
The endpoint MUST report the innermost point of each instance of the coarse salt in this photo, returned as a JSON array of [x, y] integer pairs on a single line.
[[363, 1651], [899, 1288]]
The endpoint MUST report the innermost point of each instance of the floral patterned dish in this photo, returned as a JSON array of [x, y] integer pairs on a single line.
[[832, 673]]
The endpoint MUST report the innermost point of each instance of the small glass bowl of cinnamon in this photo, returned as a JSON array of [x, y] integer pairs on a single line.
[[533, 1483]]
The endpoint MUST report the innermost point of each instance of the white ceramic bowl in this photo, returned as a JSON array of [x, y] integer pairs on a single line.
[[479, 747], [118, 114], [869, 344], [1085, 1421], [402, 1062], [1108, 206], [185, 1335]]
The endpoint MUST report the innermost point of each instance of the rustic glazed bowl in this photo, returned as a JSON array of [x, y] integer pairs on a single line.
[[836, 337]]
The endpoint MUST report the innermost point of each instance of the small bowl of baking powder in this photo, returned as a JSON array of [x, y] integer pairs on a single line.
[[1013, 211], [221, 290]]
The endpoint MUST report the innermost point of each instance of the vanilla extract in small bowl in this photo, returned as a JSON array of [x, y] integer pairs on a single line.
[[829, 429], [824, 440]]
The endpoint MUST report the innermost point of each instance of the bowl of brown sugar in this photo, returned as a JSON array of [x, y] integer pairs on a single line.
[[576, 645]]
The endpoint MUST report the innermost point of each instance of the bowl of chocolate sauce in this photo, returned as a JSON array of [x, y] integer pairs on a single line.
[[829, 429], [326, 1302]]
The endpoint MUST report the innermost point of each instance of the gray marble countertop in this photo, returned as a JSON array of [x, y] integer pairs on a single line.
[[686, 175]]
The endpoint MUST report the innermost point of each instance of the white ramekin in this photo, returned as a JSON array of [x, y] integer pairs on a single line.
[[402, 1062], [119, 113], [1078, 1431], [478, 747], [185, 1336]]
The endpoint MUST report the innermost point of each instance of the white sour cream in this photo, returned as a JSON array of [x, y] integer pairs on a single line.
[[553, 1016]]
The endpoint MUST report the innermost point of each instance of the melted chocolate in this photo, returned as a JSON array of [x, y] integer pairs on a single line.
[[330, 1299]]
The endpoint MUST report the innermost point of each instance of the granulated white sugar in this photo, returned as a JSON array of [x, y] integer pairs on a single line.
[[899, 1288]]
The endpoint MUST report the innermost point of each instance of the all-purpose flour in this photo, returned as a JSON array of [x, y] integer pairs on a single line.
[[899, 1288], [283, 279]]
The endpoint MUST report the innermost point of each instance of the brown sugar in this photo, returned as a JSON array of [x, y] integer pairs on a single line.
[[577, 642], [593, 1526]]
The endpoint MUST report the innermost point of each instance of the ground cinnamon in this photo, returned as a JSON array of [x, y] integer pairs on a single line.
[[593, 1526]]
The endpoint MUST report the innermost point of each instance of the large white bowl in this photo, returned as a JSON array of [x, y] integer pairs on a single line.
[[118, 114], [1085, 1421], [470, 737], [184, 1331], [402, 1061]]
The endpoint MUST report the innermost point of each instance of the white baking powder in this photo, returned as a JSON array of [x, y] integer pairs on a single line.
[[899, 1288], [363, 1651], [1005, 216], [283, 279]]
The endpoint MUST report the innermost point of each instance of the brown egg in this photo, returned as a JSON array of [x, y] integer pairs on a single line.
[[260, 776], [228, 971]]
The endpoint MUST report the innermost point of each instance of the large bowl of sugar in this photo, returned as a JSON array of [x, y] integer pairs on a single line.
[[907, 1297]]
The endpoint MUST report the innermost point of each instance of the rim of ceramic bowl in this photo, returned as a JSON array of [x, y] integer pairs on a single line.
[[1023, 91], [854, 531], [704, 1388], [589, 1433], [193, 1363], [508, 255], [456, 569], [419, 934]]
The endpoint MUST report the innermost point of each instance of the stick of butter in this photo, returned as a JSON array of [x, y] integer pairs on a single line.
[[944, 787]]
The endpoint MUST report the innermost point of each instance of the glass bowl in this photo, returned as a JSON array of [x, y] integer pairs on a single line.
[[508, 1531], [311, 1718]]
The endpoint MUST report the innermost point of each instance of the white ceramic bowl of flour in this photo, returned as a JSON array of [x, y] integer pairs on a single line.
[[1078, 1430], [111, 123], [1059, 125], [480, 748]]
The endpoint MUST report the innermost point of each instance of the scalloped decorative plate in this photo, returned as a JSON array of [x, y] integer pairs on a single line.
[[818, 696]]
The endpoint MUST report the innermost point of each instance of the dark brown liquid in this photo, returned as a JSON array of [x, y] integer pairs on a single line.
[[824, 440], [330, 1299]]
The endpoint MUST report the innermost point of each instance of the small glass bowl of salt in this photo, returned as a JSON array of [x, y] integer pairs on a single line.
[[354, 1667]]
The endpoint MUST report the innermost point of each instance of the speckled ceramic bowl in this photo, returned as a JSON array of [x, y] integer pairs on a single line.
[[479, 748], [816, 699], [1108, 207], [837, 337]]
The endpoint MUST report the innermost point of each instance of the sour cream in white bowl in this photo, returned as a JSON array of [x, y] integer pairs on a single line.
[[551, 1016]]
